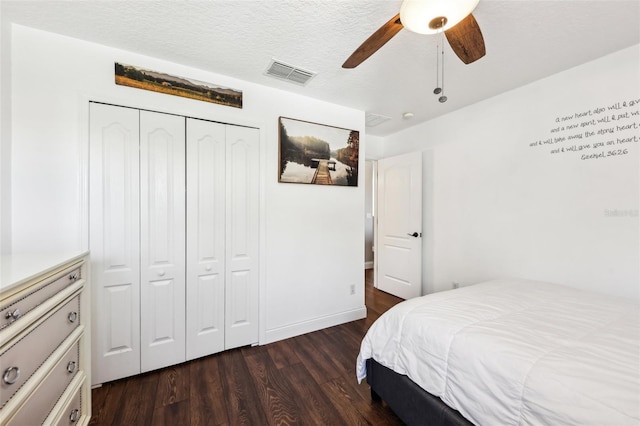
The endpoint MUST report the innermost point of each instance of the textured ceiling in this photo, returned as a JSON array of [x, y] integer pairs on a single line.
[[526, 41]]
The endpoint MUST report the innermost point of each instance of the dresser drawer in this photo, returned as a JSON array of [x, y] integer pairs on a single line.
[[13, 311], [72, 413], [21, 359], [41, 402]]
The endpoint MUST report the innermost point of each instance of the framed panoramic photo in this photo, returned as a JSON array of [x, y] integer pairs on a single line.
[[141, 78], [317, 154]]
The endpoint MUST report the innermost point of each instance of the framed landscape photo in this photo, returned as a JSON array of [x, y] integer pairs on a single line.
[[141, 78], [317, 154]]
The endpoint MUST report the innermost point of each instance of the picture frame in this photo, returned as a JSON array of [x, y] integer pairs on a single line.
[[317, 154], [141, 78]]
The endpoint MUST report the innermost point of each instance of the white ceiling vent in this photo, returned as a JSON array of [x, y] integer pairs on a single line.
[[288, 72], [372, 120]]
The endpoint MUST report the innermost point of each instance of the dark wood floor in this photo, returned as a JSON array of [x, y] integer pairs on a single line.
[[306, 380]]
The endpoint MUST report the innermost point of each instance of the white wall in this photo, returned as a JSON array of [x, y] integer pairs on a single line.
[[311, 236], [375, 147], [5, 136], [495, 206]]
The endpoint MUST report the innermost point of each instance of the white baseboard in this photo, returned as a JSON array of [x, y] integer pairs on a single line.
[[368, 265], [315, 324]]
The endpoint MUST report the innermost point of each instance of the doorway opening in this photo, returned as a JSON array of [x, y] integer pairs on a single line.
[[370, 216]]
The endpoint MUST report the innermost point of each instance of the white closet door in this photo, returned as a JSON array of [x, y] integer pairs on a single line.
[[205, 237], [242, 236], [114, 241], [162, 239]]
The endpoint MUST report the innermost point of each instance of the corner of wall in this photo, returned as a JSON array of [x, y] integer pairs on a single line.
[[5, 136], [373, 147]]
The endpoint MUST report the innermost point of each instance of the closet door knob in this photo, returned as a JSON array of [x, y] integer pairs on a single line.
[[161, 273], [208, 268], [11, 375]]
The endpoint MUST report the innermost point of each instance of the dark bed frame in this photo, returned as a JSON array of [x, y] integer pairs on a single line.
[[410, 402]]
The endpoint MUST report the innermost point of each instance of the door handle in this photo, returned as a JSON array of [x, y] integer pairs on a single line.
[[415, 234]]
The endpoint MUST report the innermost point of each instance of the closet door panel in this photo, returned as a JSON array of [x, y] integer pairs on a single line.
[[162, 239], [113, 241], [242, 236], [205, 237]]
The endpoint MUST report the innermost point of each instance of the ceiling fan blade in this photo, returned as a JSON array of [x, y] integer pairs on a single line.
[[466, 40], [375, 42]]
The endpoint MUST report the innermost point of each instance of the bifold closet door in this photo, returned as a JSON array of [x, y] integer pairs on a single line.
[[205, 237], [242, 236], [222, 237], [162, 240], [174, 239], [114, 241]]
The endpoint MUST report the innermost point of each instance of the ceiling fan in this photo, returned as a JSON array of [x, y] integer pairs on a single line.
[[429, 17]]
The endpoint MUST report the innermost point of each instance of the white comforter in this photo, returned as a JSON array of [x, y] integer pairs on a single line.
[[517, 352]]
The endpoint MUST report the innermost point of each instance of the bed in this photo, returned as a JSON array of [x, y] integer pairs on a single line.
[[507, 352]]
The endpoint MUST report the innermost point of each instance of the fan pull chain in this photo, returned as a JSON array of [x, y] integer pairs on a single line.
[[442, 99], [437, 90]]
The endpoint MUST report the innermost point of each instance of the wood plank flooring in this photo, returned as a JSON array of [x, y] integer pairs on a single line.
[[305, 380]]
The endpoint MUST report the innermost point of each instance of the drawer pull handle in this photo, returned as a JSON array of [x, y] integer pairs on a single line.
[[71, 367], [11, 375], [72, 317], [13, 315], [73, 276], [75, 414]]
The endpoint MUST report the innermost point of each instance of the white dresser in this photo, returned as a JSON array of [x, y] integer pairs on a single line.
[[44, 337]]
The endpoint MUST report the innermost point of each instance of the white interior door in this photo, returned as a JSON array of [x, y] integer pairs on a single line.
[[162, 240], [242, 236], [114, 241], [399, 250], [205, 237]]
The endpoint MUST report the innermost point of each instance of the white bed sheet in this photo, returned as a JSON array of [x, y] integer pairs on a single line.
[[516, 352]]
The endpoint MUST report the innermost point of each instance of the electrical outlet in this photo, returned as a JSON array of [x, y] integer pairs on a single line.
[[352, 288], [455, 284]]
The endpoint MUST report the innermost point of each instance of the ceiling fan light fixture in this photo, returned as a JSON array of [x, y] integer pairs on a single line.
[[433, 16]]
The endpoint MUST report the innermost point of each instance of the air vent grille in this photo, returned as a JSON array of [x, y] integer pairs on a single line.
[[372, 120], [288, 72]]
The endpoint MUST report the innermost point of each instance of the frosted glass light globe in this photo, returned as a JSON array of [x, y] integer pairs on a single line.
[[426, 16]]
